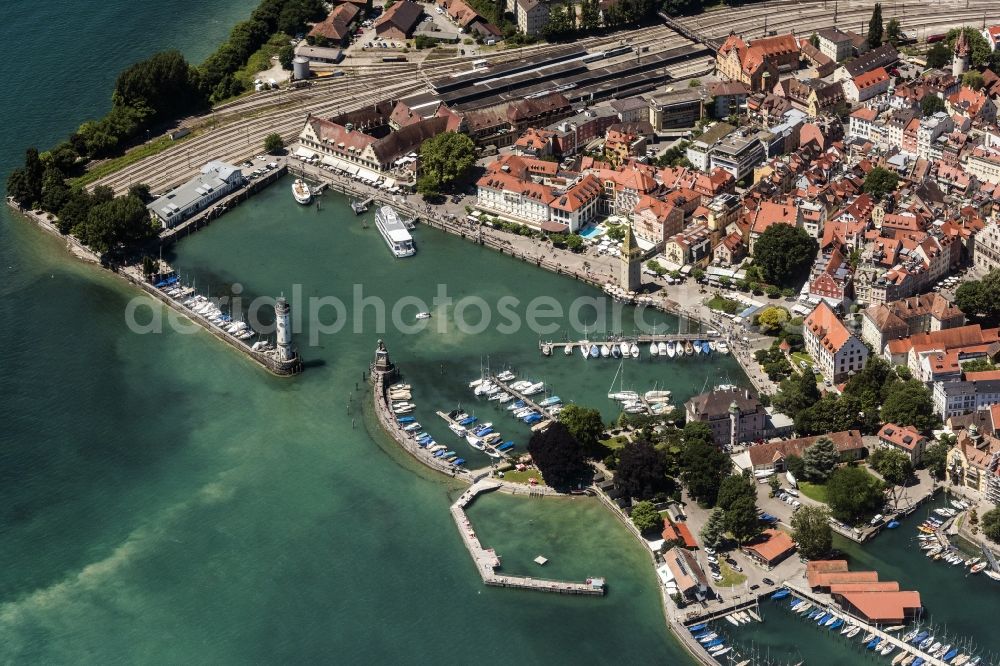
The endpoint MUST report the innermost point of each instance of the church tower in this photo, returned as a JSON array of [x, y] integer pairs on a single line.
[[960, 62], [631, 263]]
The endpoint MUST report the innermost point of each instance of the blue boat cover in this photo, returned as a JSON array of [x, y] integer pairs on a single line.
[[697, 627]]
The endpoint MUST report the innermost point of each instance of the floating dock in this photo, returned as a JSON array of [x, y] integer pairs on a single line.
[[546, 419], [487, 561]]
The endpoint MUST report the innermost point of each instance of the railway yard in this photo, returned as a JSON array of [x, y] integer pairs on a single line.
[[654, 56]]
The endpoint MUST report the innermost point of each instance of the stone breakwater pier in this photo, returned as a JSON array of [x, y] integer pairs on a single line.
[[487, 561], [382, 373]]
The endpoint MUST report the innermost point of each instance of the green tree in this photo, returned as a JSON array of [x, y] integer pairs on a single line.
[[641, 471], [811, 530], [584, 424], [273, 143], [646, 518], [34, 174], [892, 465], [796, 393], [935, 458], [558, 456], [931, 104], [814, 40], [880, 182], [853, 494], [590, 15], [909, 404], [980, 298], [115, 224], [893, 32], [732, 488], [55, 192], [796, 466], [447, 158], [875, 29], [141, 192], [973, 79], [715, 527], [74, 211], [286, 54], [742, 521], [820, 459], [991, 524], [981, 50], [784, 254], [772, 319], [703, 467], [938, 56], [830, 414], [978, 365], [775, 484], [17, 187]]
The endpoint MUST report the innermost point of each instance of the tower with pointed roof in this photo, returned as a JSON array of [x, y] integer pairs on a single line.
[[631, 262], [960, 61]]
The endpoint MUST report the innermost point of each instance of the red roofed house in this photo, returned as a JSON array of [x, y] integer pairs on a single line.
[[335, 28], [730, 250], [974, 104], [865, 86], [399, 21], [757, 64], [903, 438], [655, 221], [770, 548], [771, 456], [678, 533], [836, 350], [881, 607], [770, 213], [686, 573]]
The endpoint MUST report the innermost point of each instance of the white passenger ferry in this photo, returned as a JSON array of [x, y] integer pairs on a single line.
[[394, 232]]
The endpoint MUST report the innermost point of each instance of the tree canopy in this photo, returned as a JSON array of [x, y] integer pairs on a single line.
[[980, 299], [935, 458], [875, 29], [892, 465], [909, 403], [273, 143], [811, 530], [742, 520], [784, 254], [444, 159], [829, 414], [558, 456], [704, 467], [880, 181], [641, 470], [771, 319], [796, 466], [714, 528], [990, 523], [584, 424], [646, 518], [796, 394], [853, 494], [732, 488], [931, 104], [820, 459]]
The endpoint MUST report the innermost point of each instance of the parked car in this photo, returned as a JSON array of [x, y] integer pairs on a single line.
[[767, 581], [755, 586]]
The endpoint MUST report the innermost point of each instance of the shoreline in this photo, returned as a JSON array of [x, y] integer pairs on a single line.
[[81, 251]]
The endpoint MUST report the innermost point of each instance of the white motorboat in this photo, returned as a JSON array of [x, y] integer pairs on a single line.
[[423, 315], [722, 347], [457, 429], [568, 349], [394, 232], [653, 350], [476, 382], [605, 351], [624, 396], [656, 396], [301, 192], [624, 349], [520, 385], [534, 388], [634, 350], [506, 376], [671, 349], [662, 348]]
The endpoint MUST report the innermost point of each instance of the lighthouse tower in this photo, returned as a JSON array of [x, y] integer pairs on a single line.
[[960, 62], [282, 314]]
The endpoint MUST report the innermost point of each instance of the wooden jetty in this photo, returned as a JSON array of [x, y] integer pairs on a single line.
[[867, 628], [528, 402], [487, 561]]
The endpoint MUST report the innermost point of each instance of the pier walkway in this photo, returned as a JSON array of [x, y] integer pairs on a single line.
[[487, 561], [528, 402], [867, 628]]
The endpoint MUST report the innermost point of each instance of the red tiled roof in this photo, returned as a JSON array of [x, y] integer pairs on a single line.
[[825, 325], [774, 546], [904, 437], [884, 606], [881, 586]]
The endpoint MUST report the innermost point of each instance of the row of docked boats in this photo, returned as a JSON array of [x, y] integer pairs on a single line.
[[630, 349], [742, 617], [714, 644], [399, 396], [930, 645], [506, 391], [186, 296], [883, 645]]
